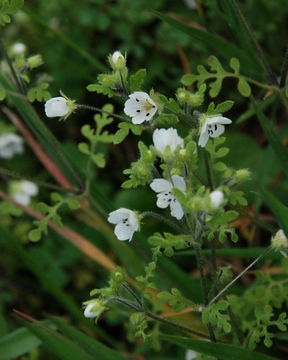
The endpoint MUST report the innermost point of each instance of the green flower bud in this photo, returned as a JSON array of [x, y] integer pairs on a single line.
[[279, 241], [117, 61], [94, 308], [34, 61], [118, 275], [142, 171], [195, 99], [242, 174], [182, 96]]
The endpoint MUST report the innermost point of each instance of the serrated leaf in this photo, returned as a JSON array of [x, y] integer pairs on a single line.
[[101, 89], [136, 80], [243, 87]]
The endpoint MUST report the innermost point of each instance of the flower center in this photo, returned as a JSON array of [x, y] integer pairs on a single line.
[[147, 105], [124, 221], [211, 130]]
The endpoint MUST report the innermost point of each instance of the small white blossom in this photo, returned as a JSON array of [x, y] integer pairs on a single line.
[[93, 308], [216, 198], [18, 48], [191, 4], [10, 144], [117, 61], [191, 354], [212, 127], [167, 137], [165, 197], [59, 106], [22, 191], [140, 107], [126, 223]]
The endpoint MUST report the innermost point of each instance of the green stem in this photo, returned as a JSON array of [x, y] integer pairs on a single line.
[[93, 108], [209, 171], [284, 70], [238, 276], [162, 218]]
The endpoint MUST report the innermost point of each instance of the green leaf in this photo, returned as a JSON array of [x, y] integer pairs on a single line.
[[167, 119], [279, 149], [87, 343], [73, 204], [99, 160], [223, 351], [17, 343], [235, 65], [57, 343], [84, 148], [7, 8], [136, 80], [35, 235], [224, 106], [221, 46], [101, 89], [278, 209], [243, 87], [123, 131]]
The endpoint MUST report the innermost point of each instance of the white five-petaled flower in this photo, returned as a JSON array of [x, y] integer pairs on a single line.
[[140, 107], [10, 144], [22, 191], [167, 137], [165, 197], [126, 223], [58, 107], [212, 127], [216, 198]]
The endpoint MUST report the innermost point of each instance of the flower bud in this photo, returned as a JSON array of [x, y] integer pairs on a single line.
[[94, 308], [34, 61], [195, 99], [182, 95], [279, 241], [216, 198], [18, 48], [242, 174], [117, 61]]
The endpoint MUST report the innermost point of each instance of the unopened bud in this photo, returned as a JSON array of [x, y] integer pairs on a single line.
[[117, 61], [242, 174], [34, 61]]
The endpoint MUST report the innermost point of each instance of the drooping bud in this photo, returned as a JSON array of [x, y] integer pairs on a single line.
[[94, 308], [216, 198]]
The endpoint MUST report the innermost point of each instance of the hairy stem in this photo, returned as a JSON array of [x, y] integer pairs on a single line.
[[162, 218], [93, 108]]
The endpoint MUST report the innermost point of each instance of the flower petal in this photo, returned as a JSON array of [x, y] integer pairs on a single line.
[[29, 188], [179, 182], [164, 199], [118, 215], [203, 138], [132, 108], [21, 198], [139, 118], [160, 185], [216, 130], [218, 120], [123, 231], [176, 209]]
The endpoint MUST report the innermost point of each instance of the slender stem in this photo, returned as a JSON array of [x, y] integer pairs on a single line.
[[12, 174], [131, 292], [235, 325], [284, 69], [200, 262], [209, 170], [7, 58], [255, 43], [172, 323], [156, 317], [238, 276], [93, 108], [162, 218]]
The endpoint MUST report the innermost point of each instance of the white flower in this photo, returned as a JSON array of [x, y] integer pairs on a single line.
[[212, 127], [93, 308], [165, 196], [22, 191], [58, 106], [10, 144], [126, 223], [216, 198], [190, 355], [163, 138], [18, 48], [140, 107], [191, 4]]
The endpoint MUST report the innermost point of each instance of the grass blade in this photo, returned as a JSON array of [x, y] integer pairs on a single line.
[[272, 137], [223, 351], [221, 46]]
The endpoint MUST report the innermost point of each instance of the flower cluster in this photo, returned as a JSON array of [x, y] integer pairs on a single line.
[[10, 145], [23, 191]]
